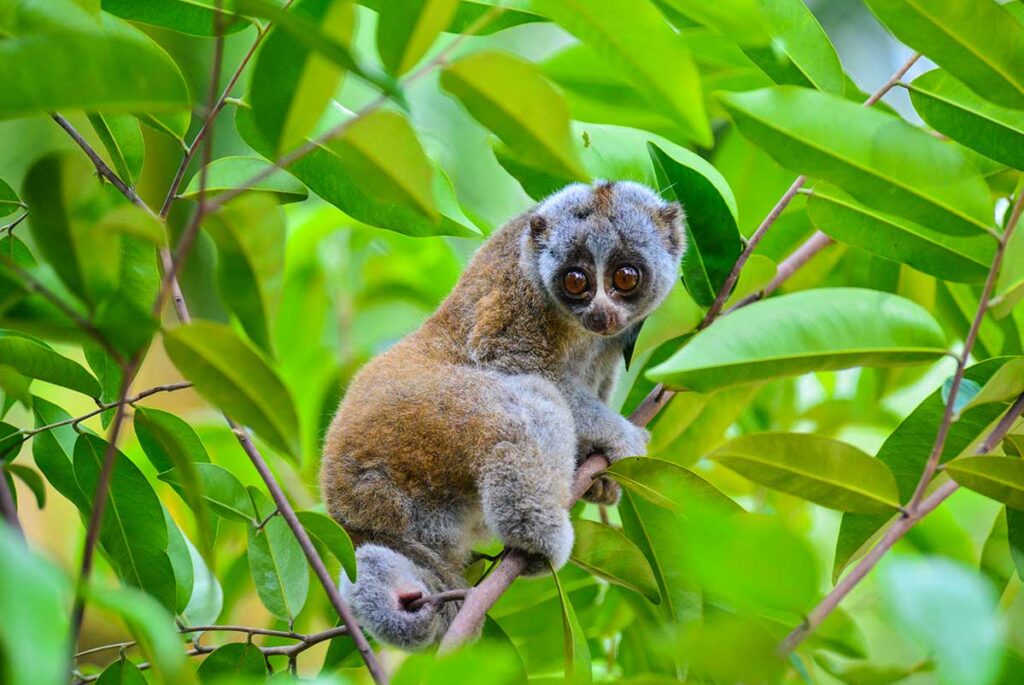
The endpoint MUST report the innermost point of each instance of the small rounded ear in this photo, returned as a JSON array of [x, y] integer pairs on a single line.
[[538, 227], [669, 218]]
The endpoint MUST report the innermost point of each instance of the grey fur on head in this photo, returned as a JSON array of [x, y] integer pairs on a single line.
[[597, 229]]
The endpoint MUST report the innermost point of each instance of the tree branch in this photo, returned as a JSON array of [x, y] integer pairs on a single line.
[[481, 598]]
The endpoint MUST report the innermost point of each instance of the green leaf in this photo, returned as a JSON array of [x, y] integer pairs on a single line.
[[227, 173], [34, 601], [953, 109], [744, 21], [122, 138], [918, 176], [173, 124], [1004, 385], [277, 563], [1010, 283], [713, 239], [151, 625], [574, 641], [11, 441], [979, 43], [292, 83], [234, 377], [121, 672], [134, 532], [9, 202], [46, 45], [815, 330], [224, 493], [951, 611], [906, 451], [331, 535], [53, 451], [999, 478], [35, 359], [675, 317], [238, 660], [509, 96], [381, 154], [866, 673], [637, 41], [828, 472], [326, 175], [181, 564], [407, 28], [31, 479], [192, 17], [1015, 538], [207, 600], [959, 258], [605, 552], [800, 52], [667, 485], [250, 235]]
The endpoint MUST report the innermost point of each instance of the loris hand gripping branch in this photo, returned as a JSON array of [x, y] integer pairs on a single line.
[[472, 426]]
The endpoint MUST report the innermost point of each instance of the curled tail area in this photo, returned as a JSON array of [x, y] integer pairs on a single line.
[[386, 584]]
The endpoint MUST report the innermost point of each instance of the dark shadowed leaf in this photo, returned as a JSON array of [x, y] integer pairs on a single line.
[[605, 552], [407, 28], [332, 536], [918, 177], [31, 479], [9, 202], [226, 173], [828, 472], [35, 359], [134, 532], [979, 43], [829, 328], [276, 563], [53, 451], [234, 377], [46, 45]]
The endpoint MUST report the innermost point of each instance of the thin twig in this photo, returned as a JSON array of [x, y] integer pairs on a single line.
[[787, 267], [892, 536], [106, 406]]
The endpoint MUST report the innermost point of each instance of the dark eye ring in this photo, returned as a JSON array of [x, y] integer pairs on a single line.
[[576, 283], [626, 278]]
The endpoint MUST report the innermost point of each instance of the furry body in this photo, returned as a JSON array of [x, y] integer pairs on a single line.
[[472, 426]]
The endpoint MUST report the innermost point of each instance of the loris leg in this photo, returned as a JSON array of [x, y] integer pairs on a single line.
[[525, 480]]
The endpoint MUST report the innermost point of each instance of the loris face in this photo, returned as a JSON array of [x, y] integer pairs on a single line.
[[606, 254]]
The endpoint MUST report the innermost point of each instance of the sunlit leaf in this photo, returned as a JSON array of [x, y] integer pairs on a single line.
[[181, 564], [122, 139], [1000, 478], [605, 552], [193, 17], [407, 28], [226, 173], [668, 485], [574, 642], [277, 563], [828, 328], [35, 359]]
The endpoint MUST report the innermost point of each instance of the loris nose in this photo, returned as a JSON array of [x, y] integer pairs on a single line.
[[600, 320]]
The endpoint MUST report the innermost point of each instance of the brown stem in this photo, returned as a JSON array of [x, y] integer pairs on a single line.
[[972, 336], [790, 265], [895, 532]]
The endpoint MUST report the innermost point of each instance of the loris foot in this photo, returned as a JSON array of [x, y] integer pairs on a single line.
[[604, 490]]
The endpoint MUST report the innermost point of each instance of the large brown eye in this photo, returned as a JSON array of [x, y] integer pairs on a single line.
[[576, 283], [626, 278]]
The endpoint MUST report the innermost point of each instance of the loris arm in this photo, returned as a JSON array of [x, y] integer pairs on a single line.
[[599, 429]]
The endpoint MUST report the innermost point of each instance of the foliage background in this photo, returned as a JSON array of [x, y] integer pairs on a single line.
[[334, 291]]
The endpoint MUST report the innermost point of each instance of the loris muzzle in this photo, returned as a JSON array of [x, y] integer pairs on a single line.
[[471, 427]]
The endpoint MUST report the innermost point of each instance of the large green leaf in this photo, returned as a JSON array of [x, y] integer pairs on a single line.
[[226, 173], [906, 451], [744, 21], [979, 43], [292, 83], [224, 493], [328, 176], [800, 52], [713, 239], [668, 485], [33, 358], [250, 236], [1010, 283], [961, 258], [815, 330], [953, 109], [1000, 478], [407, 28], [277, 563], [121, 136], [53, 451], [193, 17], [382, 155], [34, 600], [637, 41], [951, 610], [574, 641], [233, 661], [509, 96], [235, 378], [331, 535], [605, 552], [46, 45], [828, 472], [134, 532], [878, 158]]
